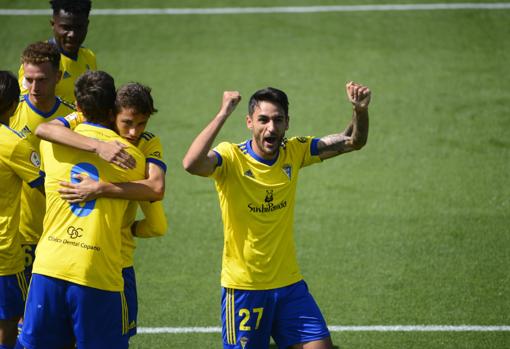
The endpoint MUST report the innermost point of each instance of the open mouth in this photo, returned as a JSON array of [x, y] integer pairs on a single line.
[[71, 45], [270, 141]]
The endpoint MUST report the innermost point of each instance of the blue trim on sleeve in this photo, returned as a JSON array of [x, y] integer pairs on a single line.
[[39, 181], [314, 151], [220, 159], [258, 158], [41, 113], [64, 121], [157, 162]]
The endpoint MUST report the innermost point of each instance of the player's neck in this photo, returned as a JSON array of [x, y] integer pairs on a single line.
[[44, 105], [262, 154]]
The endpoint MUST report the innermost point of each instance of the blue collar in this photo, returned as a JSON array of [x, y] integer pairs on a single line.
[[258, 158], [40, 112]]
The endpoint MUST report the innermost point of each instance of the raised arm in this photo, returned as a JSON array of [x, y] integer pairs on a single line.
[[200, 160], [355, 135], [56, 132]]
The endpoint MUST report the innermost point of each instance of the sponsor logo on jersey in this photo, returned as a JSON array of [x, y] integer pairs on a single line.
[[74, 232], [268, 205]]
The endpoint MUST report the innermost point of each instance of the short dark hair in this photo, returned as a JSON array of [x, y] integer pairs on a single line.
[[72, 6], [95, 96], [269, 94], [137, 97], [9, 90], [41, 52]]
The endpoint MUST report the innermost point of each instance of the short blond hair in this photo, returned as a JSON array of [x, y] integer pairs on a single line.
[[41, 52]]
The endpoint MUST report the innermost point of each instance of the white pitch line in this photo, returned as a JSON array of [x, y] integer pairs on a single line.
[[394, 328], [254, 10]]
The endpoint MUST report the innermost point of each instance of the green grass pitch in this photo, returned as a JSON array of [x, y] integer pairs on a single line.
[[411, 230]]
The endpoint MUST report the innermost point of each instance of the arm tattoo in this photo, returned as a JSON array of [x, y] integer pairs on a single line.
[[334, 144]]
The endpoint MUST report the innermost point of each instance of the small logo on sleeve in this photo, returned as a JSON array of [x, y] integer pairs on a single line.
[[35, 159], [156, 154]]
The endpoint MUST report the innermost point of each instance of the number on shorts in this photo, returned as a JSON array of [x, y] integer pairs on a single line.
[[245, 314]]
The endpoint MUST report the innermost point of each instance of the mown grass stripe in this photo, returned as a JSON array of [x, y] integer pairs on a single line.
[[261, 10]]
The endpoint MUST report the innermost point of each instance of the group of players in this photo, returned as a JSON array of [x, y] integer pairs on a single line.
[[97, 165], [82, 283]]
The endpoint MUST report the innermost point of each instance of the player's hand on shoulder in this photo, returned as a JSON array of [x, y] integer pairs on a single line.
[[230, 101], [359, 95], [115, 153]]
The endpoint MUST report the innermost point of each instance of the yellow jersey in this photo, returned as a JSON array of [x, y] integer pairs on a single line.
[[155, 219], [82, 243], [151, 148], [25, 120], [257, 205], [19, 162], [71, 68]]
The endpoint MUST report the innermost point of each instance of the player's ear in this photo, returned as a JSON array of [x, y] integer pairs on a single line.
[[249, 121], [287, 119]]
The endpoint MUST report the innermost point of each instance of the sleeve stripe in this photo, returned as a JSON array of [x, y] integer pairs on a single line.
[[220, 159], [314, 151], [64, 121], [39, 181], [157, 162]]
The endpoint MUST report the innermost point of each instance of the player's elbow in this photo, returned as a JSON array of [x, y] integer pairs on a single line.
[[189, 165], [358, 142], [159, 192], [192, 167], [156, 190]]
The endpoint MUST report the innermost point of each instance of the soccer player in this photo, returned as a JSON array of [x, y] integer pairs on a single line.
[[134, 106], [76, 290], [40, 63], [263, 291], [69, 22], [19, 162]]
